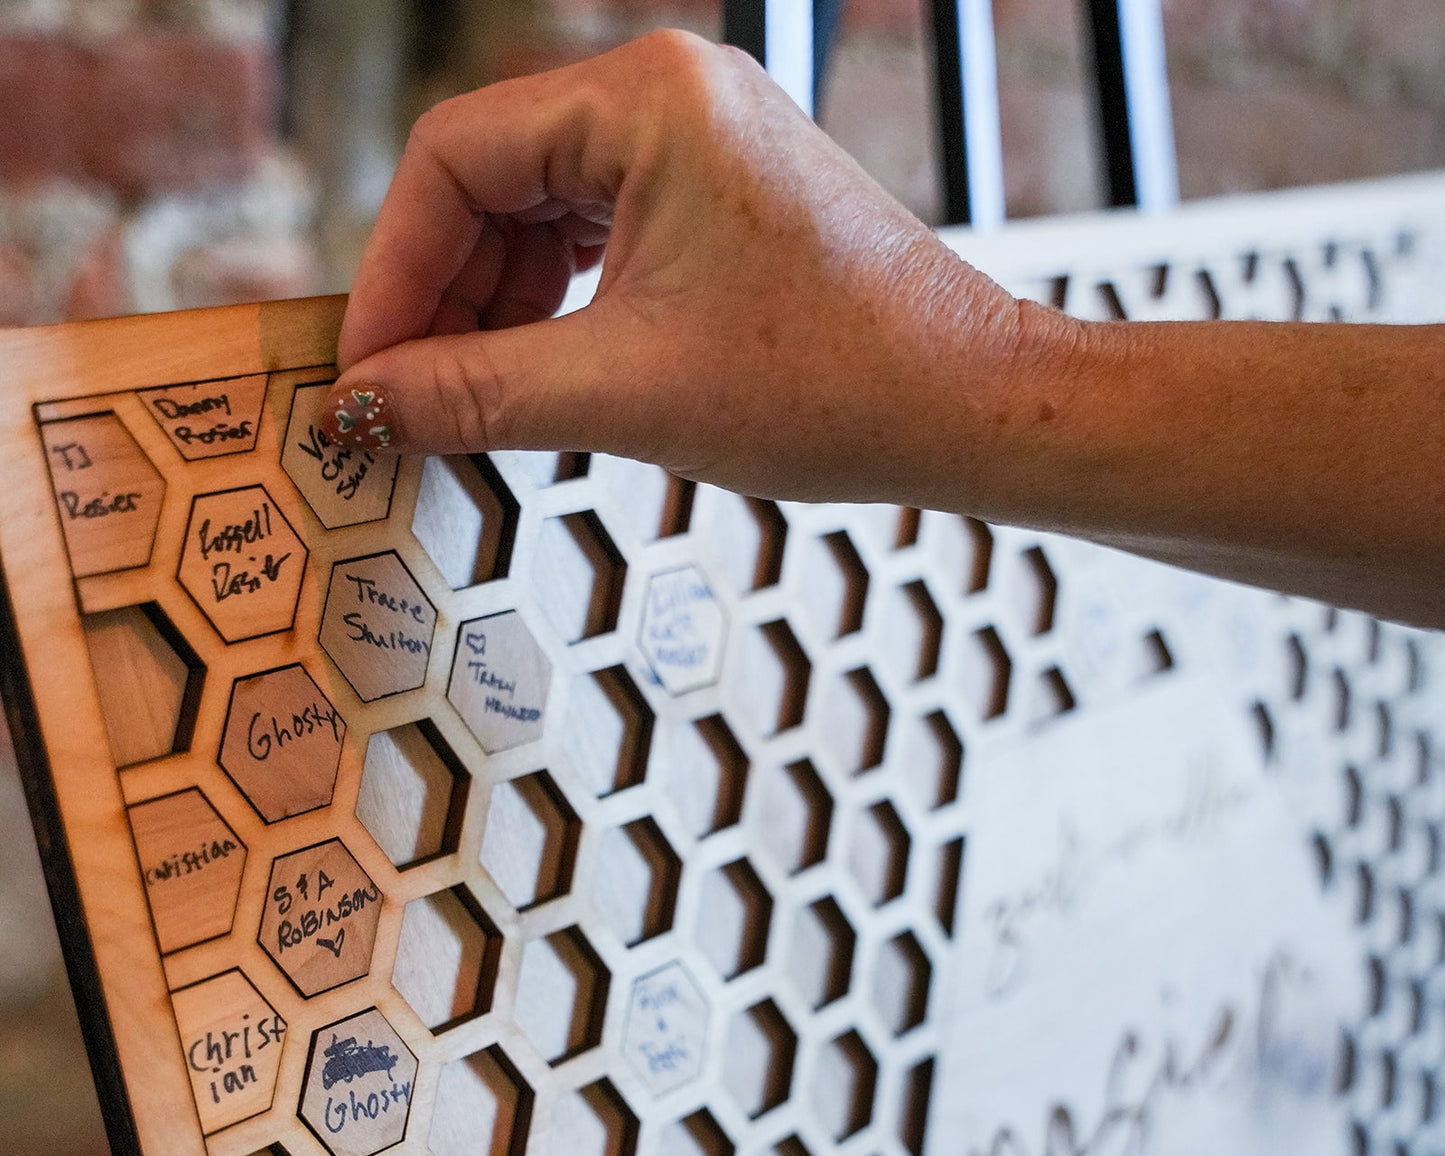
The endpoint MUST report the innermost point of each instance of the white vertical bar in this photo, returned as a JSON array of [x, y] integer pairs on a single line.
[[789, 30], [1151, 125], [982, 135]]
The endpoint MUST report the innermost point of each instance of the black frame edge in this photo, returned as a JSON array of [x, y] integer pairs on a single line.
[[60, 884]]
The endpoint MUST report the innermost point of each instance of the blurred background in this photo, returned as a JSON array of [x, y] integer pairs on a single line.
[[160, 154]]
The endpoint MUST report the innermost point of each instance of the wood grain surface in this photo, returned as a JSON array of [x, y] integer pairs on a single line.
[[547, 803]]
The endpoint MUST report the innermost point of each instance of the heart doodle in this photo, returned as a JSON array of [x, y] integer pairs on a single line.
[[333, 945]]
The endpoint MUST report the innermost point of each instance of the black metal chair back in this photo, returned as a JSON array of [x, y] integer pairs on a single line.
[[793, 40]]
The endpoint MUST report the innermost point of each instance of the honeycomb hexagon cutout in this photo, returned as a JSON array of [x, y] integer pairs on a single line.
[[483, 1104], [242, 563], [282, 742], [209, 419], [320, 916], [446, 958]]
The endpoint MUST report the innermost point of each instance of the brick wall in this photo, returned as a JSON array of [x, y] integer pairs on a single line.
[[1276, 92], [143, 166], [140, 167]]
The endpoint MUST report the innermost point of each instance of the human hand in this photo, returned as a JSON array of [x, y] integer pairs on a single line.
[[767, 318]]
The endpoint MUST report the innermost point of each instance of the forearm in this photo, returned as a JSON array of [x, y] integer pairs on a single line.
[[770, 320], [1305, 457]]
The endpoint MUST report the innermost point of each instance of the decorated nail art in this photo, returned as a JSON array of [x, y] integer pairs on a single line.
[[361, 418]]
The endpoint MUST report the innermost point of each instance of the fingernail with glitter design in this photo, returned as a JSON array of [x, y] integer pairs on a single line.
[[361, 417]]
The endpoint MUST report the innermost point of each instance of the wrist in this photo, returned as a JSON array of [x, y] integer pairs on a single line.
[[1018, 374]]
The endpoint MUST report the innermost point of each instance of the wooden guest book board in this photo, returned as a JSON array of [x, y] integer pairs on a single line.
[[546, 803]]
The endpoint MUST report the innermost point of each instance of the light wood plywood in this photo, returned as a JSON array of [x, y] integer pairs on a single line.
[[545, 803]]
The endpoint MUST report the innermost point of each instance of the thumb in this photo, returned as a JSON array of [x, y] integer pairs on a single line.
[[539, 386]]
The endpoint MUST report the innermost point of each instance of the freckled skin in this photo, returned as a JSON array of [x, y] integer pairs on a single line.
[[770, 320]]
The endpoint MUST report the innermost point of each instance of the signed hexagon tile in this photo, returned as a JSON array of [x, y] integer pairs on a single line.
[[500, 681], [377, 625], [683, 627], [107, 493], [242, 563], [483, 1105], [1098, 624], [561, 995], [343, 485], [209, 419], [665, 1037], [319, 920], [231, 1039], [282, 742], [191, 862], [356, 1095], [758, 1058]]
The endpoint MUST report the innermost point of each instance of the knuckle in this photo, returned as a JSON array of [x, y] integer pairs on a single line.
[[674, 47], [688, 63], [425, 128], [736, 56], [433, 126], [468, 392]]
